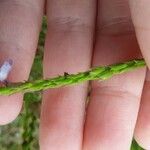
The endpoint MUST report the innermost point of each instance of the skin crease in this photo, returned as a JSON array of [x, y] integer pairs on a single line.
[[109, 120]]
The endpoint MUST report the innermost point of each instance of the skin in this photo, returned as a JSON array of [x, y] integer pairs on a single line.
[[81, 33]]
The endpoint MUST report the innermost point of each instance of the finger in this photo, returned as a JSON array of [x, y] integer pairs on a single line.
[[140, 14], [142, 131], [68, 49], [113, 108], [19, 28]]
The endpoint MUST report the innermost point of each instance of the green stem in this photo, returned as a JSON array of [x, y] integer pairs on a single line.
[[97, 73]]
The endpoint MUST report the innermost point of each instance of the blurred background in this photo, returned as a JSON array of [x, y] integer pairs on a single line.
[[22, 134]]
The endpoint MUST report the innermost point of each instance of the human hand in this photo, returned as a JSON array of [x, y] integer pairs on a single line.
[[111, 115]]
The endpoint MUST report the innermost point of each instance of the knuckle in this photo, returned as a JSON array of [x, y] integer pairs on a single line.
[[31, 5], [114, 91], [68, 24], [116, 20], [116, 26]]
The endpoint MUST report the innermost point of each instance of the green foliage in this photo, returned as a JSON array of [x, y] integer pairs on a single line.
[[135, 146], [22, 134]]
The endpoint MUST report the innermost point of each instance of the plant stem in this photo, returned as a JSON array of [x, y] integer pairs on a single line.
[[97, 73]]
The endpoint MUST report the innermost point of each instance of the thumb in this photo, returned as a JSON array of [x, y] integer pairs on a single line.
[[140, 11]]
